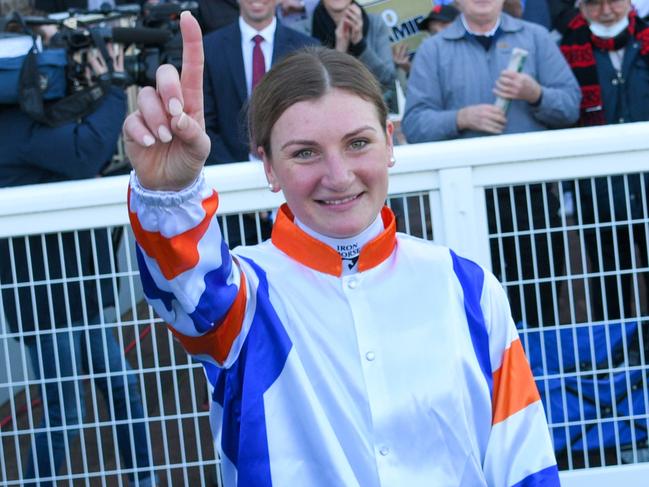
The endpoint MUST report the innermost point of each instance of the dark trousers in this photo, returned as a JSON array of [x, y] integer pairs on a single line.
[[527, 249], [615, 240]]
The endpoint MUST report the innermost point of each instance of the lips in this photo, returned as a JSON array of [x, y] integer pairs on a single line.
[[338, 202]]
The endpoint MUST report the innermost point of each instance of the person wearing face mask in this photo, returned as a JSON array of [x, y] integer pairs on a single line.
[[340, 352], [607, 46]]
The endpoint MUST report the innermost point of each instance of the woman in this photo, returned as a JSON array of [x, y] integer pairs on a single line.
[[395, 364], [345, 26]]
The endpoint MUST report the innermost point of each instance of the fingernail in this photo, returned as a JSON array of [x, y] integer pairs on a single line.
[[164, 134], [175, 107], [183, 121], [148, 141]]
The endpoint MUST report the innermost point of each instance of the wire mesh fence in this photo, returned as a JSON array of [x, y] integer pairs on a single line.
[[106, 396], [571, 253]]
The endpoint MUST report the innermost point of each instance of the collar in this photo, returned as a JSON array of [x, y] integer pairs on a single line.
[[457, 31], [489, 33], [312, 253], [248, 32]]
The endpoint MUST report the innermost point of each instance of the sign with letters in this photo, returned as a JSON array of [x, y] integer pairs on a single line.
[[401, 17]]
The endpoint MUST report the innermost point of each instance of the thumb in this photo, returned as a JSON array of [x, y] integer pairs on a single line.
[[192, 134]]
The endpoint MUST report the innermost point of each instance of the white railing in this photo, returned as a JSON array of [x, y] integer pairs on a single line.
[[446, 187]]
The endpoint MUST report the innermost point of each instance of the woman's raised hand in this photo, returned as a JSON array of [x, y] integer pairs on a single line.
[[165, 137]]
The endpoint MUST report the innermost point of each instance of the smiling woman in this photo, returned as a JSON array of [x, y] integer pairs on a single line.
[[332, 168], [340, 352]]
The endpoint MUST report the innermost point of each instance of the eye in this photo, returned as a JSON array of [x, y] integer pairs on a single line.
[[303, 154], [358, 144]]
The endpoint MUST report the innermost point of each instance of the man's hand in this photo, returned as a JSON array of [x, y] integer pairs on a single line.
[[401, 57], [165, 138], [481, 118], [98, 64], [517, 86]]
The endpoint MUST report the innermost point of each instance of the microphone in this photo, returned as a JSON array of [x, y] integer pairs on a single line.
[[140, 35]]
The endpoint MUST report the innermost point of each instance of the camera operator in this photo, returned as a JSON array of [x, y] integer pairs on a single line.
[[56, 310]]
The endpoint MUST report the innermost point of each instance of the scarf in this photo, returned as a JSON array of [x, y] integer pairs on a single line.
[[577, 47], [323, 28]]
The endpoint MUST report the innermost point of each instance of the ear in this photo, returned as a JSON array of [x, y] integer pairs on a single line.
[[389, 131], [273, 183]]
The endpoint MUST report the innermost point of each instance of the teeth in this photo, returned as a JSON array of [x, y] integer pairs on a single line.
[[339, 202]]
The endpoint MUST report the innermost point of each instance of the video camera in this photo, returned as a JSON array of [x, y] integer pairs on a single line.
[[156, 36], [153, 31]]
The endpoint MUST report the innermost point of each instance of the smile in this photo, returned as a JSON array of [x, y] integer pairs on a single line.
[[339, 202]]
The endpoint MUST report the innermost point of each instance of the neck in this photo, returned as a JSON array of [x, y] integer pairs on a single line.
[[349, 248], [479, 25], [258, 25]]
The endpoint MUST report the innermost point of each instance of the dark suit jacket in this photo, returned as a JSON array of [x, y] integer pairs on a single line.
[[214, 14], [225, 88]]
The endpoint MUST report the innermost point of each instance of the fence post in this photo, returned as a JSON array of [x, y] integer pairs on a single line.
[[464, 215]]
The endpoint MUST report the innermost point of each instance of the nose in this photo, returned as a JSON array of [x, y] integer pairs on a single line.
[[338, 174], [606, 8]]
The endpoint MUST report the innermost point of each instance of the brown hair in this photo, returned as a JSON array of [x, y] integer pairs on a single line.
[[307, 74]]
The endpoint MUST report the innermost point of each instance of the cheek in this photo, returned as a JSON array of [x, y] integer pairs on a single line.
[[377, 179], [298, 182]]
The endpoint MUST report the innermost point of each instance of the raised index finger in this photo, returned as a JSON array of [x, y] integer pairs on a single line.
[[191, 75]]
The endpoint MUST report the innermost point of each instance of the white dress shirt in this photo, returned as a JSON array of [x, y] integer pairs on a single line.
[[247, 44]]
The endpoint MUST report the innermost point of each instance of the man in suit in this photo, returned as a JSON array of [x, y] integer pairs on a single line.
[[214, 14], [229, 67]]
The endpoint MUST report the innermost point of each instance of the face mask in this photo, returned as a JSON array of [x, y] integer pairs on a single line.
[[609, 31]]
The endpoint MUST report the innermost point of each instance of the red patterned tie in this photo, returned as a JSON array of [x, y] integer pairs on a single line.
[[258, 63]]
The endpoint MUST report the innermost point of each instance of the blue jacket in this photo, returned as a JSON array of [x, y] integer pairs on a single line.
[[34, 153], [225, 91], [452, 71], [625, 99]]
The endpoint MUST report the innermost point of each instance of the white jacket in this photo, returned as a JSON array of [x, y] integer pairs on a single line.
[[407, 373]]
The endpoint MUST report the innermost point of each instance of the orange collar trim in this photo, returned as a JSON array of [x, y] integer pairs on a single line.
[[309, 251]]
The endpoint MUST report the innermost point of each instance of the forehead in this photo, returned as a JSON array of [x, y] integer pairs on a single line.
[[613, 3], [335, 113]]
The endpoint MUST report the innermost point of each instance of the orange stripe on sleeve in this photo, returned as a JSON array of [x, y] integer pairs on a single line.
[[218, 342], [514, 387], [177, 254]]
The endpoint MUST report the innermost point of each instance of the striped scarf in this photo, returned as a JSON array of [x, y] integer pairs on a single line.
[[577, 47]]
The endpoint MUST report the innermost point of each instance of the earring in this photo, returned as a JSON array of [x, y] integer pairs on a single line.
[[271, 187], [393, 161]]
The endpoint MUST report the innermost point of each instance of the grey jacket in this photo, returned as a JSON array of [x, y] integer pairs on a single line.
[[377, 56], [452, 71]]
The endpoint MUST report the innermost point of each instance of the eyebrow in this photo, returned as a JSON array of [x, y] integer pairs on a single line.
[[313, 142]]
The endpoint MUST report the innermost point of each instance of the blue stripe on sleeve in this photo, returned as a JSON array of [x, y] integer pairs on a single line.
[[240, 389], [471, 277], [151, 290], [217, 298], [213, 304], [548, 477]]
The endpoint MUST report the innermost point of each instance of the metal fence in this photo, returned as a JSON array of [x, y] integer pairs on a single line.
[[560, 217]]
